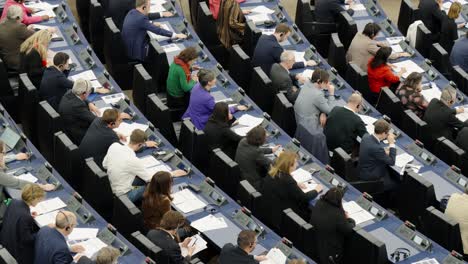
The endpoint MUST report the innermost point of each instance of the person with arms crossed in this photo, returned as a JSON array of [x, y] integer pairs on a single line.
[[240, 254]]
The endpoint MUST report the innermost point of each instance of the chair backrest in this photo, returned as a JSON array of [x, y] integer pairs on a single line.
[[82, 8], [347, 29], [240, 68], [6, 257], [158, 114], [206, 25], [337, 54], [447, 151], [407, 16], [66, 160], [298, 231], [157, 66], [127, 218], [357, 78], [4, 82], [442, 229], [389, 104], [148, 248], [261, 90], [28, 98], [194, 5], [48, 122], [283, 114], [412, 124], [423, 40], [251, 36], [245, 194], [440, 59], [96, 27], [460, 77], [225, 172], [343, 165], [142, 87], [193, 145], [361, 241]]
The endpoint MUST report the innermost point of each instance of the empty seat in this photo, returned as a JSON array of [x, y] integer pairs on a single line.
[[157, 66], [447, 151], [362, 241], [261, 90], [142, 87], [225, 172], [240, 68], [192, 144], [440, 59], [412, 124], [337, 54], [357, 78], [389, 104], [318, 34], [423, 40], [4, 82], [298, 231], [442, 229], [347, 29], [97, 190], [407, 16], [460, 77], [48, 122], [28, 98], [148, 248], [6, 257], [82, 8], [246, 194], [158, 114], [7, 96], [251, 36], [66, 160], [207, 32], [96, 27], [283, 114], [344, 165], [127, 218]]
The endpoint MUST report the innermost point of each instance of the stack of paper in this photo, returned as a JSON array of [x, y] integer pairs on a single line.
[[197, 241], [27, 177], [403, 159], [91, 246], [113, 98], [126, 129], [43, 7], [275, 256], [48, 206], [245, 123], [409, 65], [267, 31], [86, 75], [82, 234], [356, 7], [45, 219], [303, 177], [369, 121], [159, 37], [262, 10], [357, 213], [209, 222], [432, 93], [396, 48], [186, 201], [153, 165]]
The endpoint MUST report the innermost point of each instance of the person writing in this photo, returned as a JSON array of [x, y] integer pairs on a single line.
[[410, 94], [240, 254]]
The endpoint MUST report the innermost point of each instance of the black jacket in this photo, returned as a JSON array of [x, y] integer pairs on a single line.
[[85, 260], [342, 128], [449, 34], [432, 17], [252, 162], [231, 254], [441, 120], [462, 139], [19, 232], [220, 135], [76, 116], [282, 80], [170, 247], [282, 192], [31, 63], [97, 141], [119, 9], [53, 86], [331, 228], [327, 11]]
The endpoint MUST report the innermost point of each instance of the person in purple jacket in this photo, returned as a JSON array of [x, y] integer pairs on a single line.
[[202, 103]]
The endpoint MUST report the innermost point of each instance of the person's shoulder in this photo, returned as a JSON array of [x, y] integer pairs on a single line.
[[228, 247]]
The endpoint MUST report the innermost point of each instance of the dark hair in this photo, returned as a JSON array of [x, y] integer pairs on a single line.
[[188, 54], [412, 80], [205, 76], [320, 76], [371, 30], [159, 187], [334, 197], [220, 113], [256, 136], [381, 126], [381, 57], [61, 58], [172, 220], [246, 238], [110, 116]]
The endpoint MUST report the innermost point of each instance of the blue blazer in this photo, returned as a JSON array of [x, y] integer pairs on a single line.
[[54, 85], [51, 247]]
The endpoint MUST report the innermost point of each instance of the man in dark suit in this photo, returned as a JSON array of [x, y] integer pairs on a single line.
[[51, 243], [76, 112], [432, 16], [165, 238], [462, 139], [327, 11], [344, 126], [440, 116], [268, 50], [282, 80], [246, 242], [374, 157]]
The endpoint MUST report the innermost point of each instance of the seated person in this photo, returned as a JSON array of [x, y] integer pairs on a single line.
[[101, 135], [180, 80], [123, 166], [410, 94], [51, 242], [332, 225], [281, 190], [26, 12], [344, 126], [449, 32], [440, 116], [246, 242], [374, 158], [379, 73], [167, 239], [76, 112], [431, 15], [462, 139], [312, 107], [134, 29], [459, 54], [218, 131], [282, 80], [106, 255], [364, 47], [33, 56], [19, 229], [457, 210], [251, 157], [230, 23], [157, 199], [268, 50], [327, 11], [119, 9], [12, 34], [202, 102]]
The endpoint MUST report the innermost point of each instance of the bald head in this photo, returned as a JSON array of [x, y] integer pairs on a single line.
[[65, 221], [354, 101]]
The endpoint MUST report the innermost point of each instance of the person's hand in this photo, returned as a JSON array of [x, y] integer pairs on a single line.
[[260, 258], [391, 138], [77, 249], [125, 116], [311, 63], [302, 185], [323, 119], [151, 144], [460, 110], [186, 242], [178, 173], [387, 151], [229, 115], [93, 108], [319, 188], [122, 137], [167, 14], [402, 71], [181, 36], [30, 27], [404, 54], [195, 67], [195, 77], [346, 214], [52, 30], [190, 250], [246, 12], [300, 78], [47, 187], [242, 107], [22, 156], [349, 2], [391, 65], [157, 24], [275, 148], [331, 89], [440, 3], [45, 17], [102, 90], [33, 214], [462, 25]]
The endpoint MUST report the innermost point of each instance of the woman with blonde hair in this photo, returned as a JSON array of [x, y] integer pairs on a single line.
[[282, 191], [19, 229], [449, 33], [33, 55]]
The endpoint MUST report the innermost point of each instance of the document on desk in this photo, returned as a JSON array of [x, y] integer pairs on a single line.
[[220, 97], [113, 98], [402, 159], [45, 219], [427, 261], [299, 56], [186, 201], [170, 48], [197, 241], [394, 40], [159, 37], [433, 92], [153, 165], [409, 65], [396, 48], [356, 7], [307, 73], [258, 18], [86, 75], [463, 116], [369, 121], [150, 161], [242, 130], [47, 12], [262, 10], [157, 7], [126, 129], [249, 120], [91, 246], [275, 256], [267, 31], [357, 213], [301, 175], [27, 177], [82, 234], [209, 222], [48, 206]]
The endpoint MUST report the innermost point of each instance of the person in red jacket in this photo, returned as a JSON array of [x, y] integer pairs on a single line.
[[379, 73]]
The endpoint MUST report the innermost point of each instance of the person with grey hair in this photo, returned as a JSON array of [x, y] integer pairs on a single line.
[[106, 255], [77, 113], [12, 34], [440, 116], [282, 79], [202, 102]]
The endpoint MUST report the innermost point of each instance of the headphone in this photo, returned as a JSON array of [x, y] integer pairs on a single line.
[[397, 255], [67, 224]]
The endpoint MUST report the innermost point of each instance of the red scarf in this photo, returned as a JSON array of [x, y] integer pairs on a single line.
[[184, 66]]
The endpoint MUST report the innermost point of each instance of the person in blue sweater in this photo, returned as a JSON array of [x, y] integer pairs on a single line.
[[134, 29]]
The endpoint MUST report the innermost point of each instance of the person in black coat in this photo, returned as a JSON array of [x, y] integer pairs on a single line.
[[76, 111], [282, 191], [441, 117], [240, 254], [344, 126], [431, 15], [54, 82], [449, 32], [327, 11], [218, 131], [19, 229], [251, 157], [167, 239], [462, 139], [31, 64], [332, 226]]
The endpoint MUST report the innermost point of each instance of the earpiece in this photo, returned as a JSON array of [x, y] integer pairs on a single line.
[[67, 222]]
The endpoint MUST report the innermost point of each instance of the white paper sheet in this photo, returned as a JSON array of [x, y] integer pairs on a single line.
[[394, 40], [262, 10], [113, 98], [45, 219], [308, 73], [92, 246], [267, 31], [47, 12], [463, 116], [186, 201], [275, 256], [155, 8], [242, 130], [357, 213], [86, 75], [409, 65], [40, 27], [249, 120], [432, 93], [402, 159], [161, 167], [126, 129], [170, 48], [301, 175], [369, 121], [356, 7], [426, 261], [299, 56], [197, 241], [48, 206], [258, 17], [159, 37], [82, 233], [27, 177], [209, 222], [396, 48], [150, 161]]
